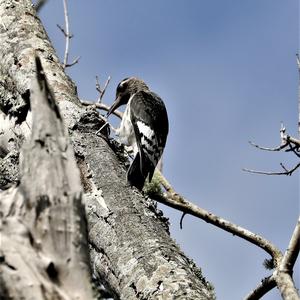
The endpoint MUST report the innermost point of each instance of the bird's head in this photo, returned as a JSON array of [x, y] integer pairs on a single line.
[[125, 89]]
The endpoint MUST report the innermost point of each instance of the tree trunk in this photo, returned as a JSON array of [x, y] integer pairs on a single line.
[[131, 251]]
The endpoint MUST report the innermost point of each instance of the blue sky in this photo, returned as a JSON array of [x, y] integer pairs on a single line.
[[227, 73]]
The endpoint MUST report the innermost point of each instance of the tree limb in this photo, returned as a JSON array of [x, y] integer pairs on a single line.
[[292, 252], [283, 273], [266, 285], [286, 172], [102, 106], [278, 148], [100, 90], [175, 200]]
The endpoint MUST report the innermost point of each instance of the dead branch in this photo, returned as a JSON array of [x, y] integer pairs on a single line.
[[282, 276], [74, 62], [181, 219], [293, 145], [100, 90], [278, 148], [266, 285], [175, 200], [292, 252], [283, 273], [286, 172], [68, 36], [102, 106]]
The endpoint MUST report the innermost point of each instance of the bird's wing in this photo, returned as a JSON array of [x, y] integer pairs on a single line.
[[150, 122]]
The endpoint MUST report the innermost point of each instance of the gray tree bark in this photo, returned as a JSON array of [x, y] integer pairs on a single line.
[[44, 250], [131, 252]]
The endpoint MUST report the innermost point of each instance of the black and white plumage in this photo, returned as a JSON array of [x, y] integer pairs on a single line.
[[144, 126]]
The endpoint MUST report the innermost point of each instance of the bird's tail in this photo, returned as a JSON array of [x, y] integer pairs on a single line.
[[138, 172]]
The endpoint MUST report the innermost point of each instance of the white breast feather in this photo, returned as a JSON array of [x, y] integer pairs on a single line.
[[126, 132]]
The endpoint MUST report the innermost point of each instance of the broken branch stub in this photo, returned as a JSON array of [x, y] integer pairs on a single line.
[[47, 206]]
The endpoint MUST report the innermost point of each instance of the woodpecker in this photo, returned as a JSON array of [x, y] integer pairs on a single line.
[[144, 126]]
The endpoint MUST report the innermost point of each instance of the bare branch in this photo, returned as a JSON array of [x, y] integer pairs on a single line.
[[102, 127], [175, 200], [291, 254], [286, 140], [74, 62], [286, 172], [286, 285], [292, 140], [283, 273], [269, 149], [102, 106], [62, 30], [181, 219], [283, 167], [68, 36], [266, 285], [294, 149], [100, 90]]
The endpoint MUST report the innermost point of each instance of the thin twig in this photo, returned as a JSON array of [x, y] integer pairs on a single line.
[[269, 149], [287, 172], [181, 219], [294, 149], [100, 90], [62, 30], [75, 61], [102, 106], [99, 130], [68, 36], [286, 140], [283, 167]]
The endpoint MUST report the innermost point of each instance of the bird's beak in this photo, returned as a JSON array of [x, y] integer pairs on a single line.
[[114, 106]]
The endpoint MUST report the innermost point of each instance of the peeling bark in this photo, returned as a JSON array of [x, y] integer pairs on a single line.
[[131, 251]]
